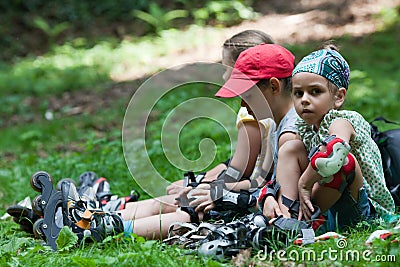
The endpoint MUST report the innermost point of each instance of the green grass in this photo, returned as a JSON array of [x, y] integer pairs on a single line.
[[68, 146]]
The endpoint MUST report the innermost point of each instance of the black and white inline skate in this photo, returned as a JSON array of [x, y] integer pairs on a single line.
[[65, 207], [97, 189]]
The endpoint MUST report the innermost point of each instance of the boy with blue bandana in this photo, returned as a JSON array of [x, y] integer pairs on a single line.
[[335, 165]]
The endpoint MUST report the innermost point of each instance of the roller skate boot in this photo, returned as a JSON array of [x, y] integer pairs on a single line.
[[107, 201], [65, 207], [96, 190], [23, 214], [48, 205]]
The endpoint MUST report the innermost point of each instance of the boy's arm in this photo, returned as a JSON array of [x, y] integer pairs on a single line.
[[270, 204], [342, 129]]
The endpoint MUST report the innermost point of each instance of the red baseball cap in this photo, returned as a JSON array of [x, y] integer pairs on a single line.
[[260, 62]]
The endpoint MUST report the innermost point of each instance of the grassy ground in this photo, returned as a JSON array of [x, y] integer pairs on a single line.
[[70, 145]]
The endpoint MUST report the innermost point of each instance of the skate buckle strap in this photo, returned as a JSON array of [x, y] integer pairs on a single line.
[[308, 236], [292, 205], [230, 175], [270, 189], [226, 200], [194, 217], [190, 179], [289, 224], [86, 219]]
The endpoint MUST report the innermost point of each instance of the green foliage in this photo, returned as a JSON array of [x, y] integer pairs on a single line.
[[24, 24], [158, 18], [223, 13], [65, 69], [390, 16], [51, 31], [374, 78], [66, 147], [73, 66], [66, 239], [190, 135]]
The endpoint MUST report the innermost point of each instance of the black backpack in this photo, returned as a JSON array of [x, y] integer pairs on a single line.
[[389, 146]]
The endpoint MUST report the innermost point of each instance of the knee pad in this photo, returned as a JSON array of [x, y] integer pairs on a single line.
[[333, 159], [229, 200]]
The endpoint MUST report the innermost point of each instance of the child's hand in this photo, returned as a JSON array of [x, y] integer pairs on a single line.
[[202, 201], [271, 208], [306, 207], [175, 188], [182, 196]]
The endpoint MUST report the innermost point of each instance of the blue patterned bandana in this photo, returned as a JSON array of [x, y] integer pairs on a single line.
[[327, 63]]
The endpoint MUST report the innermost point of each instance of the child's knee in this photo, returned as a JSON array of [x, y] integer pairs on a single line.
[[292, 148]]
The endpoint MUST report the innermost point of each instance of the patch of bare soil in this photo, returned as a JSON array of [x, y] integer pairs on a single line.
[[293, 22]]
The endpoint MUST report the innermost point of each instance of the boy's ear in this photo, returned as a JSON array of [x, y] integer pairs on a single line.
[[275, 85], [340, 97]]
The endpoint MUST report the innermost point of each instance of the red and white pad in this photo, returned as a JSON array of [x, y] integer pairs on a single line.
[[335, 160]]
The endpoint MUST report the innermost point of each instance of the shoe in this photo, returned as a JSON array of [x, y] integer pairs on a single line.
[[23, 214]]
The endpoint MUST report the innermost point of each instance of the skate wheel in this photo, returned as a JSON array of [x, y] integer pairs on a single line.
[[37, 205], [58, 185], [38, 229], [35, 183]]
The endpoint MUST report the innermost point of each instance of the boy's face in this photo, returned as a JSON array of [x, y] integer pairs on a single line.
[[256, 103], [312, 97]]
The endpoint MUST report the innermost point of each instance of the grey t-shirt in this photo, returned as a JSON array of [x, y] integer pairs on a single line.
[[287, 124]]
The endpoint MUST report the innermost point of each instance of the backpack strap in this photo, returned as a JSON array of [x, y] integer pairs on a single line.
[[385, 120]]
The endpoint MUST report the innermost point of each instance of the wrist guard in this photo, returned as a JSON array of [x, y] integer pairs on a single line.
[[229, 200], [270, 189], [190, 179], [230, 175]]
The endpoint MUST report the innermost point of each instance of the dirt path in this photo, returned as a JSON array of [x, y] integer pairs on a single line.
[[299, 22], [302, 21]]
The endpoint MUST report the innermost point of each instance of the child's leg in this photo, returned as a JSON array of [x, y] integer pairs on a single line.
[[156, 226], [292, 161], [344, 208], [148, 207]]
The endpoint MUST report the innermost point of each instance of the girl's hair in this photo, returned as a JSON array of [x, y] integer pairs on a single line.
[[244, 40]]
